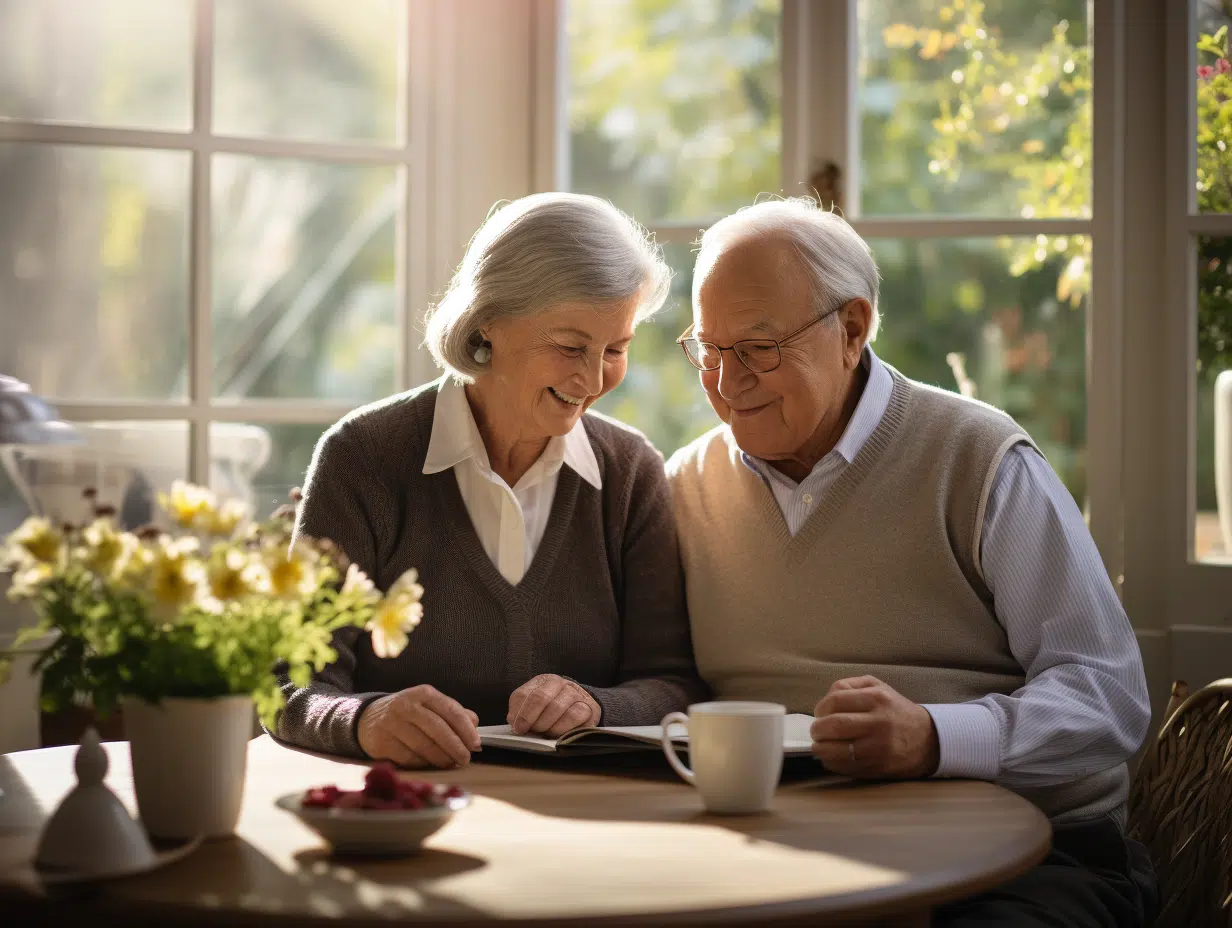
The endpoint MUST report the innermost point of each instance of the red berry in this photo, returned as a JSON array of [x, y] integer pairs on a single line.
[[353, 800], [382, 782]]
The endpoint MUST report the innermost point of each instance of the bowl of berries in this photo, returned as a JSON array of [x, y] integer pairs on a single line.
[[391, 815]]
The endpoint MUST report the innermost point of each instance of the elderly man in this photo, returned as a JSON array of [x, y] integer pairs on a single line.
[[907, 557]]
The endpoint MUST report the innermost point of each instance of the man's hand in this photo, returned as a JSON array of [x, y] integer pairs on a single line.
[[419, 727], [551, 705], [865, 728]]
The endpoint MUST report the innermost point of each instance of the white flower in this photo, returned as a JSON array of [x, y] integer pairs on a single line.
[[396, 616]]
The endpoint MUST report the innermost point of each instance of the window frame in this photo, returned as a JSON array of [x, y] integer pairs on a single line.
[[414, 245]]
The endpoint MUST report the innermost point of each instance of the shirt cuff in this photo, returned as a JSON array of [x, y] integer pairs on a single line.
[[970, 740]]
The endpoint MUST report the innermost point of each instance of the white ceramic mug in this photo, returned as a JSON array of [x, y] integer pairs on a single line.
[[736, 749]]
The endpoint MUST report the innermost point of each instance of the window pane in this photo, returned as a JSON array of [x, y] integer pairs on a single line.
[[977, 108], [128, 463], [121, 63], [661, 394], [1214, 82], [1213, 522], [304, 291], [260, 463], [94, 271], [674, 108], [1001, 320], [310, 69]]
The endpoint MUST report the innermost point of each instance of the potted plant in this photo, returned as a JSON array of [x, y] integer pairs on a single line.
[[184, 630]]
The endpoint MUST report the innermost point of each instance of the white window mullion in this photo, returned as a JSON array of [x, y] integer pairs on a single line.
[[414, 241], [549, 95], [200, 349], [1105, 329]]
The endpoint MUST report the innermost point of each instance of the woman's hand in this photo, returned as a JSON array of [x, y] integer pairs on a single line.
[[551, 705], [419, 727]]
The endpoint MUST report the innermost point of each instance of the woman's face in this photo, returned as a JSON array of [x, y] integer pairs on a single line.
[[549, 368]]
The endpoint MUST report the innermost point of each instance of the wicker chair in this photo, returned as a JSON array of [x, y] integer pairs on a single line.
[[1180, 807]]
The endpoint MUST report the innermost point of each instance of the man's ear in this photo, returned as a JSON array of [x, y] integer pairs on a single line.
[[856, 319]]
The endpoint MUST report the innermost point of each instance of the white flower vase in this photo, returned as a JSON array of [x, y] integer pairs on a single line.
[[1223, 456], [189, 761]]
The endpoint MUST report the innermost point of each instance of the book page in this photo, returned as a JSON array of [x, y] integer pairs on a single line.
[[796, 737], [502, 736]]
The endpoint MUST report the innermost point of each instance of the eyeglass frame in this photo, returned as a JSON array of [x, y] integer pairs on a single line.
[[778, 344]]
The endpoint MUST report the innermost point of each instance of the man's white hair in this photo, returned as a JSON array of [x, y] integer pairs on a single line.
[[537, 252], [839, 263]]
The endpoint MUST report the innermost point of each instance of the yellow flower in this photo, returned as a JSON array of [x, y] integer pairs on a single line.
[[396, 616], [291, 573], [134, 573], [106, 551], [226, 518], [28, 580], [191, 506], [176, 577], [233, 574], [35, 540]]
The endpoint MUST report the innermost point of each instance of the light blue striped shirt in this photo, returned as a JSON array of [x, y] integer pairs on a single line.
[[1084, 705]]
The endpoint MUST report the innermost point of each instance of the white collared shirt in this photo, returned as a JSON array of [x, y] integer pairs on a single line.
[[510, 521], [797, 500]]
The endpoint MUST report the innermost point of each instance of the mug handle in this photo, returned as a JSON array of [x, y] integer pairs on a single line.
[[669, 749]]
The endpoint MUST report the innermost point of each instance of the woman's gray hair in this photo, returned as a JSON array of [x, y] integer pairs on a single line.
[[839, 263], [537, 252]]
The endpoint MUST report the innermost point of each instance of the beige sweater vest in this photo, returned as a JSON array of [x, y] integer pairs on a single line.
[[883, 579]]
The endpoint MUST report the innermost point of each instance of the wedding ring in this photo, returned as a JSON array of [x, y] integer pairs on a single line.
[[851, 749]]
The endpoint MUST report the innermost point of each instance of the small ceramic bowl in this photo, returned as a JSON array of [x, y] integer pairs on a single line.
[[384, 832]]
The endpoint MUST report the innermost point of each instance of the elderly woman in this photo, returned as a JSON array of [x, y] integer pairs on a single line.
[[543, 533]]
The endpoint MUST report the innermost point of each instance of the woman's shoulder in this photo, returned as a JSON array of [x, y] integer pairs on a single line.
[[619, 442], [393, 422]]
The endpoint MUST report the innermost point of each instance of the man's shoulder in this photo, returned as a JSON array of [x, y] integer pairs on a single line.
[[706, 452], [947, 415]]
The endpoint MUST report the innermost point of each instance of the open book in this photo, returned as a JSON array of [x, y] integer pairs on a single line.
[[606, 739]]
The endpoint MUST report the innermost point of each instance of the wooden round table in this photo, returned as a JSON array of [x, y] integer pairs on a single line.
[[563, 843]]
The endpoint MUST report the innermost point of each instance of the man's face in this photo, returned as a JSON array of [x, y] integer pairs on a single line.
[[758, 288]]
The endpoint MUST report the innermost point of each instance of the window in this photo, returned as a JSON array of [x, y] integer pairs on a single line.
[[970, 150], [1209, 227], [673, 112], [204, 250]]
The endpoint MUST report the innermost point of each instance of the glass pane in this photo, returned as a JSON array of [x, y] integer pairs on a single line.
[[128, 463], [125, 63], [260, 463], [661, 394], [94, 271], [975, 108], [1213, 519], [310, 69], [1003, 321], [1214, 82], [305, 300], [674, 108]]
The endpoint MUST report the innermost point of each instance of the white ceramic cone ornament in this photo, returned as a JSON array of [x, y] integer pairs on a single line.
[[91, 833]]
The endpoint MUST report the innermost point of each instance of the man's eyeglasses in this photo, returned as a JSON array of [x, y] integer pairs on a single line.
[[760, 355]]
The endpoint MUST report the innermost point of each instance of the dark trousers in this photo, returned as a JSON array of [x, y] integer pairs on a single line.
[[1094, 876]]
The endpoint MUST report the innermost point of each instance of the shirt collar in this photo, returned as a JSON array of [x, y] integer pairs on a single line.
[[455, 438], [864, 421]]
